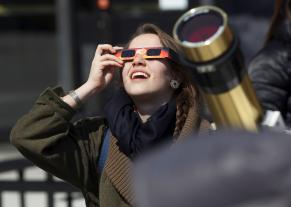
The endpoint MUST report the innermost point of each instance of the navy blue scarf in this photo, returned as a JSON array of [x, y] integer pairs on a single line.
[[134, 136]]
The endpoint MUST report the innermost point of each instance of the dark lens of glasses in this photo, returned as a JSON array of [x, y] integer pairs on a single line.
[[127, 53], [153, 52]]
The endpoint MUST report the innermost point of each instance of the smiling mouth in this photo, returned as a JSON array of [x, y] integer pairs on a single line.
[[139, 75]]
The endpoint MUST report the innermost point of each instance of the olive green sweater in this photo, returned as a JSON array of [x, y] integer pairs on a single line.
[[70, 151]]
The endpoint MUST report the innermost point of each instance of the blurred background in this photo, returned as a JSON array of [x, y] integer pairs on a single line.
[[52, 42]]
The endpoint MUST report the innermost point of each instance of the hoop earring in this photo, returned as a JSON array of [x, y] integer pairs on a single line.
[[174, 84]]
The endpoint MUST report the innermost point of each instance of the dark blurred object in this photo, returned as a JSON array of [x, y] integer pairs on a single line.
[[255, 8], [120, 22], [26, 1], [229, 169], [270, 67]]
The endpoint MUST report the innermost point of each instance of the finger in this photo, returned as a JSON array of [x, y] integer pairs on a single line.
[[110, 63], [104, 47], [110, 57], [117, 48]]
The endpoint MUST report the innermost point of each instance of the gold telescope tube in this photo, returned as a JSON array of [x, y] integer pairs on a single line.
[[212, 48]]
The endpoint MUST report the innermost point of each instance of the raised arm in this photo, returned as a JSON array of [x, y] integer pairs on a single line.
[[46, 136], [101, 74]]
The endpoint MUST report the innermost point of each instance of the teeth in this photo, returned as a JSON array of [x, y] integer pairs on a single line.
[[138, 74]]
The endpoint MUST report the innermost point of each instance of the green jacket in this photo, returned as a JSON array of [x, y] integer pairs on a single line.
[[70, 151]]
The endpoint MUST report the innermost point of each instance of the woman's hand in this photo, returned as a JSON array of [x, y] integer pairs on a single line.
[[101, 73], [103, 65]]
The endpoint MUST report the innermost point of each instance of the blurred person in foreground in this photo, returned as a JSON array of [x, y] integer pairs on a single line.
[[270, 69], [230, 169], [157, 103]]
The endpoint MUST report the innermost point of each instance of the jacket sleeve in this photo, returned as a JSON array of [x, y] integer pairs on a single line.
[[271, 79], [46, 136]]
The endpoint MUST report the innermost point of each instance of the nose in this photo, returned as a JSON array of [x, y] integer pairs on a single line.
[[138, 60]]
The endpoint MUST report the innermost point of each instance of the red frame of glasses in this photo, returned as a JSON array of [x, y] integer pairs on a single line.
[[165, 53]]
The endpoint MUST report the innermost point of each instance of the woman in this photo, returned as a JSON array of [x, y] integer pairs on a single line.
[[270, 69], [157, 103]]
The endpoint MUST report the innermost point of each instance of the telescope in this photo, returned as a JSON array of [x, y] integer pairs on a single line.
[[211, 48]]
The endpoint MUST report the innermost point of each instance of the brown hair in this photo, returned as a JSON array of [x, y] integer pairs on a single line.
[[187, 95], [280, 13]]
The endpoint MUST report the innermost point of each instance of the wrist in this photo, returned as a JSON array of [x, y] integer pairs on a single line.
[[91, 87], [76, 98]]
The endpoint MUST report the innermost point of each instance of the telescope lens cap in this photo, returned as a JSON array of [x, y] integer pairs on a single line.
[[200, 27]]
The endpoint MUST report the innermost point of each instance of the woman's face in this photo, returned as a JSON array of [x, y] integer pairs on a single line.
[[143, 77]]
